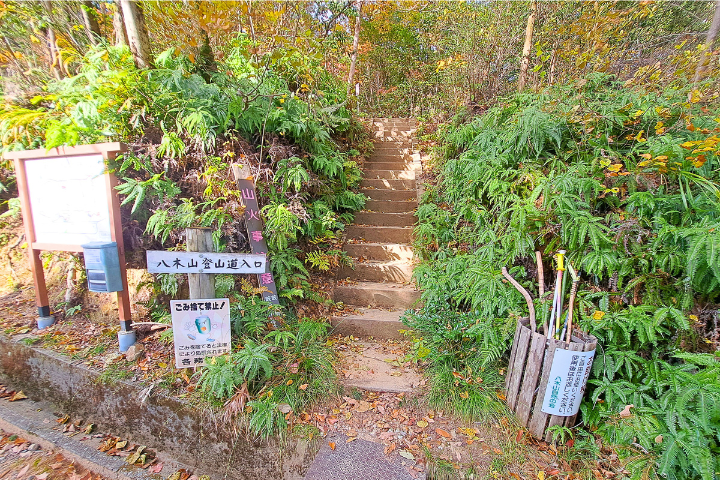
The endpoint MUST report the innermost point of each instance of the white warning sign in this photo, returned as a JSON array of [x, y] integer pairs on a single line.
[[566, 384]]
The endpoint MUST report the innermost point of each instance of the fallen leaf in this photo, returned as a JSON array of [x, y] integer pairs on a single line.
[[422, 423], [284, 408], [303, 386], [135, 456], [390, 448], [121, 445], [350, 439], [63, 419], [626, 413], [541, 475], [24, 470], [17, 396], [659, 439], [406, 454], [89, 428], [157, 468], [442, 432], [332, 445]]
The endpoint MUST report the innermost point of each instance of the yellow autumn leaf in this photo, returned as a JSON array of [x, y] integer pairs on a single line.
[[422, 423], [289, 382], [644, 163], [661, 158], [464, 395], [541, 475], [191, 57], [598, 315], [615, 167], [646, 156]]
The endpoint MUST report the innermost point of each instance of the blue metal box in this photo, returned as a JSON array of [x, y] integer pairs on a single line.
[[102, 266]]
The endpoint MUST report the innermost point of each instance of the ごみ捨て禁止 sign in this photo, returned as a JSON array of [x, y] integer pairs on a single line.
[[160, 261], [566, 383], [201, 328]]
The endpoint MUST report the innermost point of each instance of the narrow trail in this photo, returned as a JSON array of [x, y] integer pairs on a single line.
[[379, 284]]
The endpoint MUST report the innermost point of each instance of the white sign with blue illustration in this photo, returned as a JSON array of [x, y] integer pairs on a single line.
[[201, 328]]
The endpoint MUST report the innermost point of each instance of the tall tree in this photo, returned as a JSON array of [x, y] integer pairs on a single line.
[[528, 45], [119, 24], [356, 42], [709, 41], [92, 27], [137, 34]]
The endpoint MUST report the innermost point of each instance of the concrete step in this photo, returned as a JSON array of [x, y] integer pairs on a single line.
[[385, 166], [389, 196], [384, 252], [384, 219], [369, 322], [389, 184], [399, 141], [380, 234], [390, 174], [386, 144], [399, 271], [400, 158], [372, 294], [376, 367], [391, 206]]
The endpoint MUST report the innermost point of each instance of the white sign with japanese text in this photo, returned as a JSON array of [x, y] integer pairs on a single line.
[[201, 328], [566, 384], [161, 261]]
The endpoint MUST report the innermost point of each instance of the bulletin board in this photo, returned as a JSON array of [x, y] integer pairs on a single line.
[[68, 198]]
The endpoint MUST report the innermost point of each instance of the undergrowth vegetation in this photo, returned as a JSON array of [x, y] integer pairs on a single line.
[[185, 127], [624, 179], [270, 374]]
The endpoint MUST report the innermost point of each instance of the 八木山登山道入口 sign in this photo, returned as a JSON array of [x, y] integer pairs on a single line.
[[566, 383], [201, 328], [159, 261]]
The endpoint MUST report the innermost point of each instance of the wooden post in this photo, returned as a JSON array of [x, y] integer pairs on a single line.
[[202, 285], [123, 296]]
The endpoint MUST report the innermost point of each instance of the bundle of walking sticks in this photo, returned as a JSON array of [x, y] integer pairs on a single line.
[[560, 323]]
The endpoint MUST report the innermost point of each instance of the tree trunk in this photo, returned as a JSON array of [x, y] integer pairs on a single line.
[[137, 33], [92, 27], [526, 48], [356, 42], [55, 61], [707, 51], [119, 25]]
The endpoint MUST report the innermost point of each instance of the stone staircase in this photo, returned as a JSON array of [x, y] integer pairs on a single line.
[[379, 285]]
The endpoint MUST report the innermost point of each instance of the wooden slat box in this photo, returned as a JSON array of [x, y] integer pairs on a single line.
[[531, 358]]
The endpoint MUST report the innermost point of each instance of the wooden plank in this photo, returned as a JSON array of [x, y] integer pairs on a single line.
[[518, 367], [57, 247], [123, 296], [538, 418], [36, 266], [94, 149], [513, 351], [202, 285], [531, 377]]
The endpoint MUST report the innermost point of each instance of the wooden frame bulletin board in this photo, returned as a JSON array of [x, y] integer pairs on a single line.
[[68, 198]]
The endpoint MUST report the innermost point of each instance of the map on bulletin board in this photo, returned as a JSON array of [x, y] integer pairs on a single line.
[[69, 199]]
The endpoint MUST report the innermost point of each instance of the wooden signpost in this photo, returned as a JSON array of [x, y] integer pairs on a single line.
[[68, 199], [254, 225]]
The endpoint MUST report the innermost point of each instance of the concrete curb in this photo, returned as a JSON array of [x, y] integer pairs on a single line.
[[148, 417], [93, 460]]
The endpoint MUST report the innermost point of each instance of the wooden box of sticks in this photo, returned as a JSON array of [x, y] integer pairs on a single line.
[[547, 375]]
